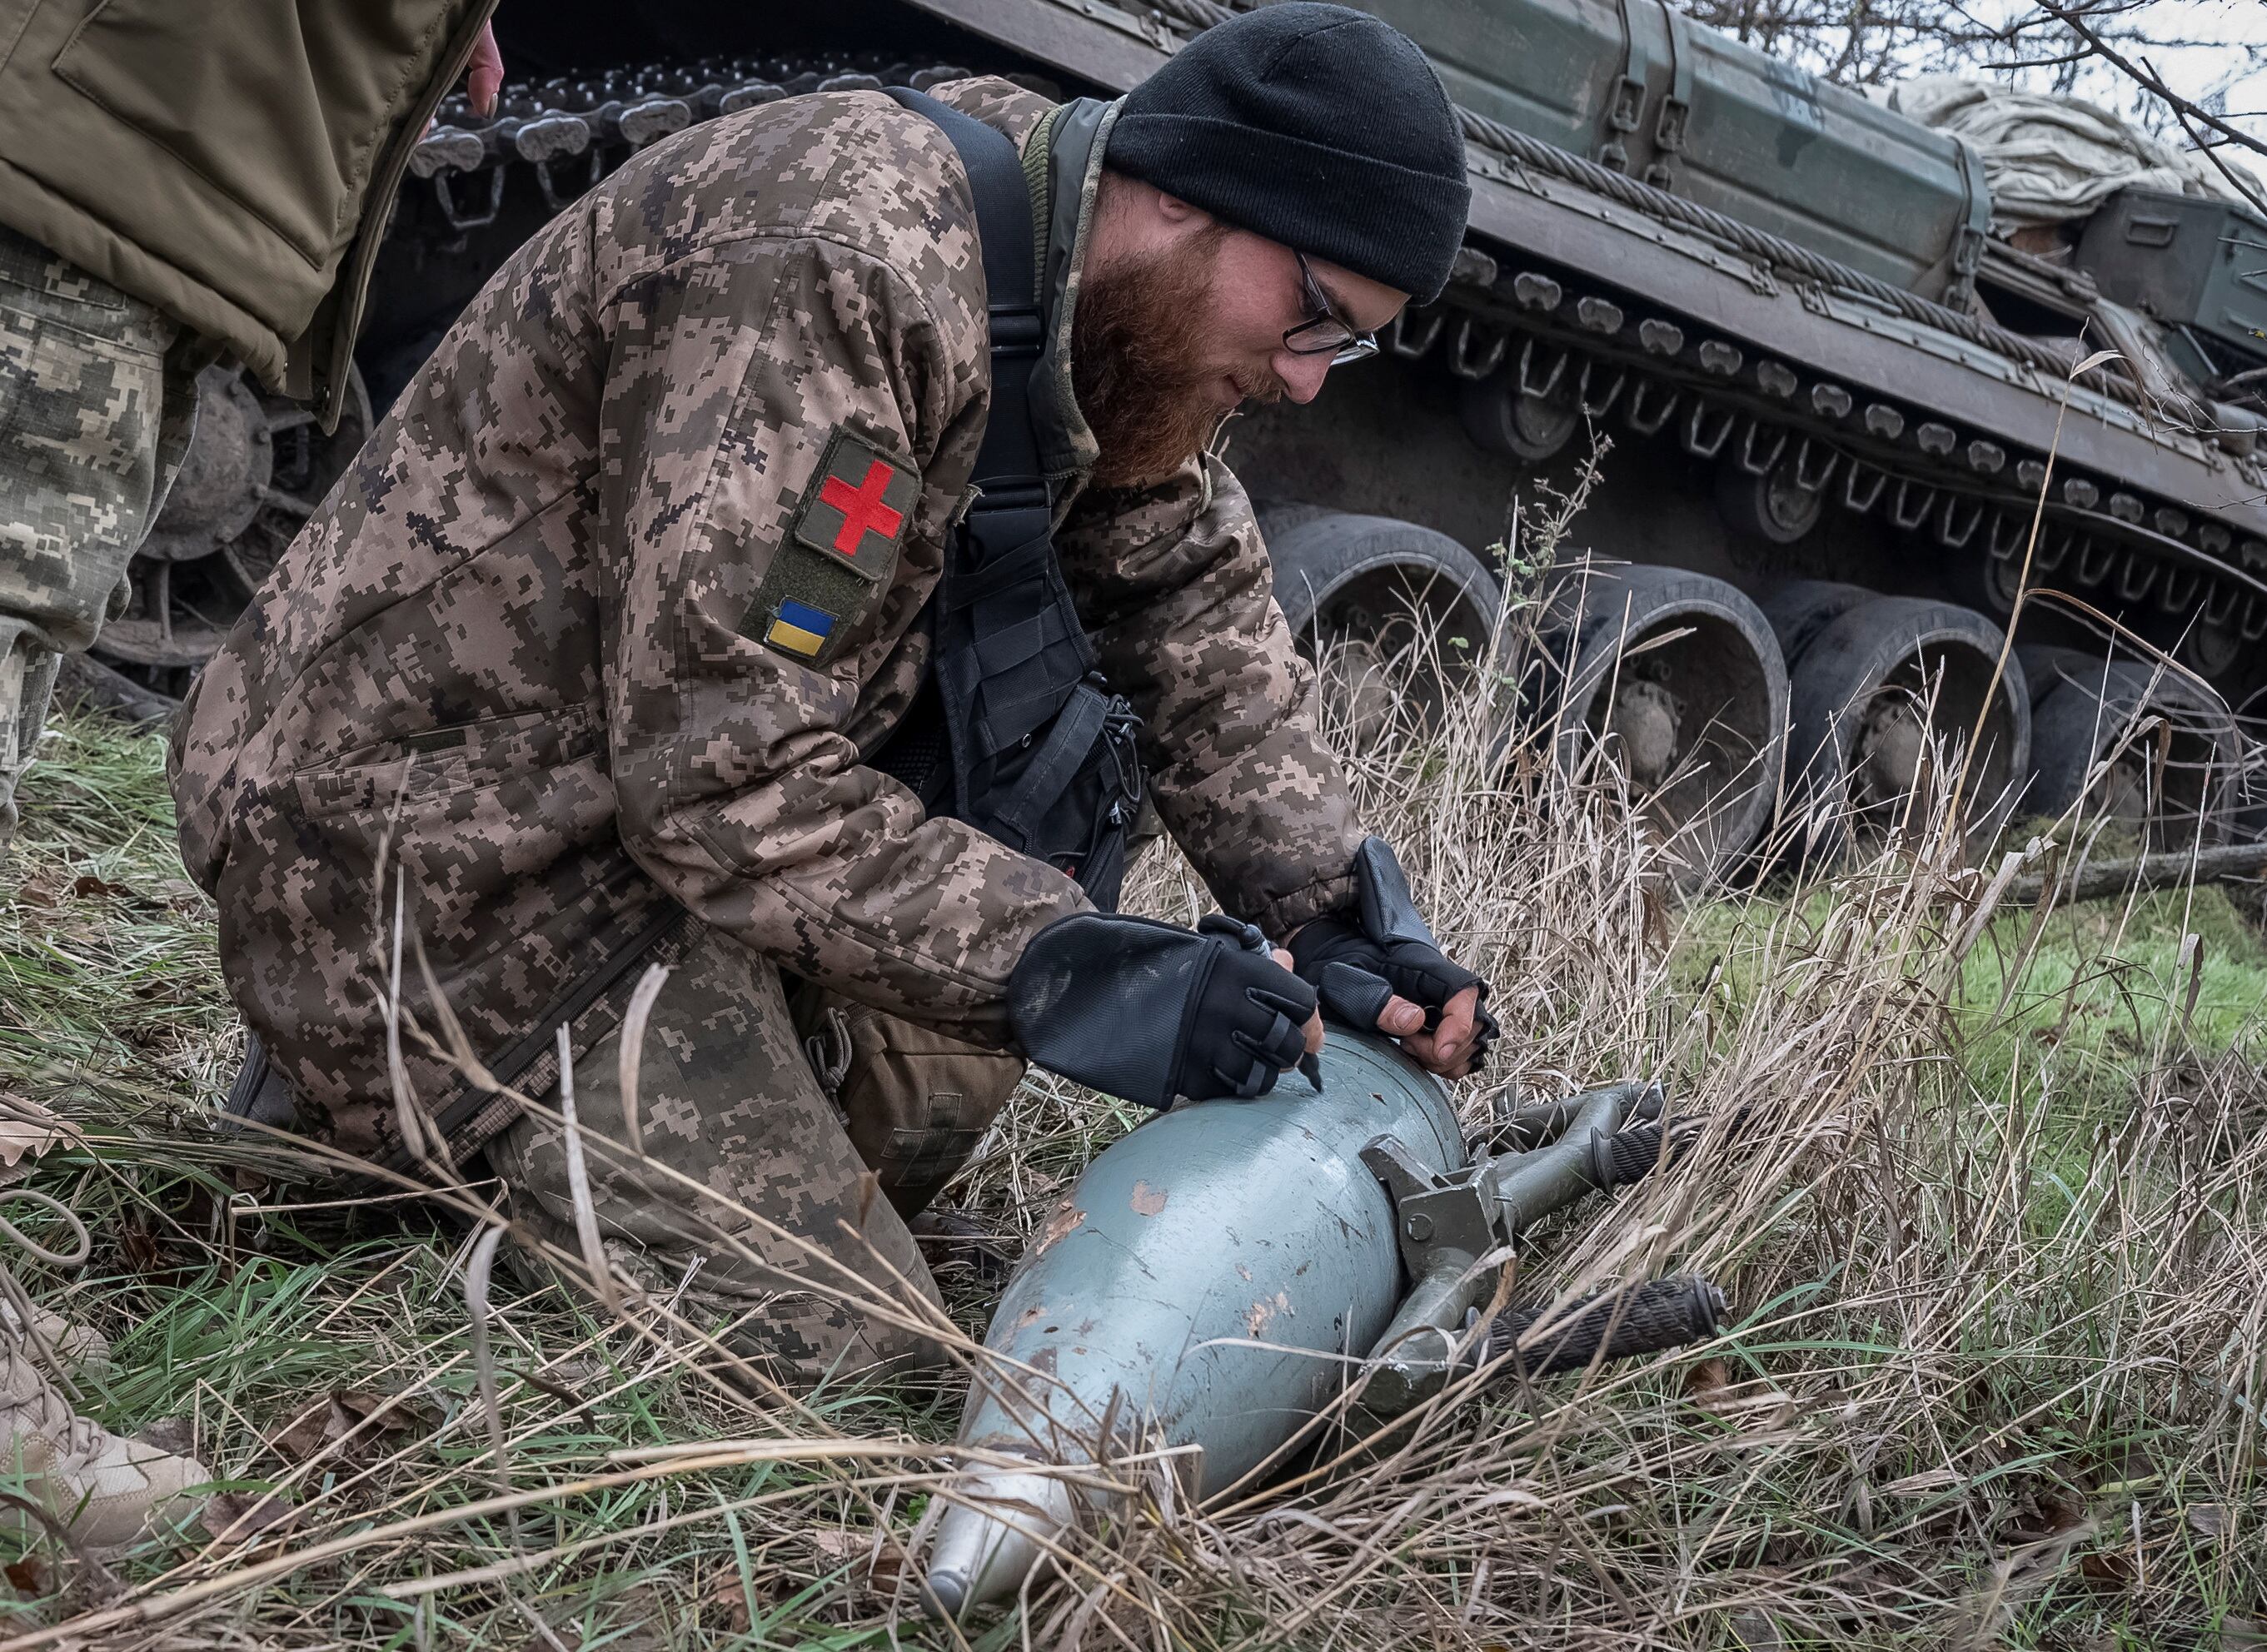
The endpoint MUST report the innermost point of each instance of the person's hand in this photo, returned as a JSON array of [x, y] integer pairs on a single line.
[[1450, 1048], [1150, 1012], [1378, 965], [484, 73]]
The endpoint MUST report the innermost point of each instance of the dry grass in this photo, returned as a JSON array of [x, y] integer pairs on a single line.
[[1999, 1279]]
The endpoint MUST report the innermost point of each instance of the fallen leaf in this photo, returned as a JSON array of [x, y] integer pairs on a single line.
[[87, 886], [351, 1421], [836, 1545], [393, 1414], [2113, 1566], [306, 1435], [140, 1248], [234, 1518], [1756, 1631], [2242, 1634], [177, 1435], [2045, 1512], [888, 1569], [727, 1604], [1706, 1380], [42, 888], [881, 1564], [2060, 1510], [2208, 1519], [32, 1576], [26, 1127]]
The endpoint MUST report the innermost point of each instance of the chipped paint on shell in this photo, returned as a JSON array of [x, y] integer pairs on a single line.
[[1149, 1201], [1263, 1311], [1067, 1216]]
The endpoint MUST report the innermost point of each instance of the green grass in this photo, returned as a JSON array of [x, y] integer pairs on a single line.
[[2105, 989], [2101, 989], [108, 965]]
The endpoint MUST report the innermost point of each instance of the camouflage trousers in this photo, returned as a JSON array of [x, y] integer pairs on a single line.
[[93, 422], [788, 1137]]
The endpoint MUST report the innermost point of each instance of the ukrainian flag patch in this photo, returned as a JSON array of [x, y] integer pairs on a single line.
[[799, 628]]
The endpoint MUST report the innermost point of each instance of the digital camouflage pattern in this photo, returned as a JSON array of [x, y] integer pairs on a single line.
[[93, 425], [513, 674], [747, 1167]]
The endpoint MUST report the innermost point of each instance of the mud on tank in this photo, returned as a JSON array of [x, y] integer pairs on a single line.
[[1828, 395]]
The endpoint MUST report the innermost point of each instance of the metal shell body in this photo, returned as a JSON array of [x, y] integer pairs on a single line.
[[1207, 1282]]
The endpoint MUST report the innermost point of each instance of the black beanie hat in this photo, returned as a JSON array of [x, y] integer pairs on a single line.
[[1314, 125]]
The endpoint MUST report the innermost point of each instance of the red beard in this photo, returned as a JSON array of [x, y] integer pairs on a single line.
[[1133, 364]]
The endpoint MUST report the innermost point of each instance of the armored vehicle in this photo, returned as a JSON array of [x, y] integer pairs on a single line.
[[1834, 418]]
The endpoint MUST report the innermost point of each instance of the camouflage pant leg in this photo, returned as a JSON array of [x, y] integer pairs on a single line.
[[93, 423], [727, 1099]]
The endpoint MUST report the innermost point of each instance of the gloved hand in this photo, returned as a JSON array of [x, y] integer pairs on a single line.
[[1148, 1010], [1358, 962]]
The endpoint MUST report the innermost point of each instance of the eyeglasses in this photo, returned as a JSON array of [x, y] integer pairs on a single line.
[[1322, 333]]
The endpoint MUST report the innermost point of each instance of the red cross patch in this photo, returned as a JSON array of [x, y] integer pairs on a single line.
[[855, 514]]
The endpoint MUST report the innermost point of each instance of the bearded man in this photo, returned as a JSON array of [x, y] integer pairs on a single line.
[[794, 570]]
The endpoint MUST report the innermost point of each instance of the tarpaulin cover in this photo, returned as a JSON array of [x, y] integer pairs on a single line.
[[2051, 160]]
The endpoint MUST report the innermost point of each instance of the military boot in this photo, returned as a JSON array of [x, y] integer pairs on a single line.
[[74, 1344], [103, 1488]]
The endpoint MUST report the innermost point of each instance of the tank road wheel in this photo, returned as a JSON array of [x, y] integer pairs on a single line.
[[1502, 417], [2174, 783], [1678, 679], [1774, 508], [257, 467], [1886, 692], [2212, 651], [1383, 606]]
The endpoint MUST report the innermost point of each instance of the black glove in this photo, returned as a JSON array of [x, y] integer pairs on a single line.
[[1357, 960], [1148, 1010]]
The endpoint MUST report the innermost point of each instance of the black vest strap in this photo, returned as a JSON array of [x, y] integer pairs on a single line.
[[1008, 460], [1043, 755]]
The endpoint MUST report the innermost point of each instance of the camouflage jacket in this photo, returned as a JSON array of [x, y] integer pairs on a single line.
[[606, 613]]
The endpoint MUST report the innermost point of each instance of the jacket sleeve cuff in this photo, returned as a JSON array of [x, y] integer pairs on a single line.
[[1287, 912]]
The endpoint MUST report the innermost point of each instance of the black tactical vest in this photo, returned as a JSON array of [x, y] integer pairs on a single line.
[[1015, 731]]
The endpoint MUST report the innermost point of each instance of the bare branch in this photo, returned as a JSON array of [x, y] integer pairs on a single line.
[[2148, 81]]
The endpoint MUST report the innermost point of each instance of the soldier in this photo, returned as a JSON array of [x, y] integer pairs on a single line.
[[729, 593], [175, 185]]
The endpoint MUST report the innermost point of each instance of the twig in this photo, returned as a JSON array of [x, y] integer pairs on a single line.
[[2100, 878], [2148, 81], [2243, 185]]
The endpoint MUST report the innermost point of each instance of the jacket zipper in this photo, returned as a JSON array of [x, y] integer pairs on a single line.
[[386, 186]]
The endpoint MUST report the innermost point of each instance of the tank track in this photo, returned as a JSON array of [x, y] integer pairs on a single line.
[[571, 132], [1571, 350]]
